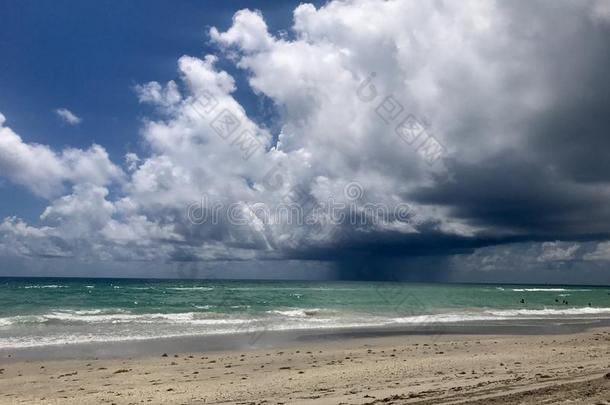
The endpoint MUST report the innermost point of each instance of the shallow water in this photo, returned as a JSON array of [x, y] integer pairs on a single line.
[[39, 312]]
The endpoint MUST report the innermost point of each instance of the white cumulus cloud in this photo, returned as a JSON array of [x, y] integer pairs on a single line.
[[68, 116], [46, 172]]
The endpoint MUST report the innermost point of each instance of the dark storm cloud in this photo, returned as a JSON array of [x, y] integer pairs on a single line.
[[573, 136], [509, 195], [553, 183]]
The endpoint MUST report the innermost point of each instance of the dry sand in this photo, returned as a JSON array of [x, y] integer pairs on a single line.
[[450, 369]]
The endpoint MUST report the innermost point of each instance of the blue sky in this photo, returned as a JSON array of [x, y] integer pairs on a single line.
[[88, 56]]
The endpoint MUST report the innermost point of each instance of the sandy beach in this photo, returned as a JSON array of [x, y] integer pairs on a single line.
[[445, 369]]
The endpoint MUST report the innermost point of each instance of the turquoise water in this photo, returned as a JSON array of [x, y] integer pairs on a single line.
[[36, 312]]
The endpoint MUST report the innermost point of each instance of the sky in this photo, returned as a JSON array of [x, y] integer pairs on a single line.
[[365, 139]]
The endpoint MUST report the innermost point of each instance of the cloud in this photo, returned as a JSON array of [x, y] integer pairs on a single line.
[[46, 173], [68, 116], [557, 251], [600, 11], [364, 90], [601, 253], [249, 32]]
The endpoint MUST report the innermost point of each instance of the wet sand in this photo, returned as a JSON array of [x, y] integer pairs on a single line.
[[399, 369]]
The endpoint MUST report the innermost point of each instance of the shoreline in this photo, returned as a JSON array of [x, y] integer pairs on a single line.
[[494, 368], [290, 338]]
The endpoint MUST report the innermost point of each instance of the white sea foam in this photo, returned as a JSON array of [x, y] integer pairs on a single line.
[[39, 341], [545, 289], [293, 289], [288, 316], [443, 318], [45, 286], [299, 312], [65, 326], [491, 315], [547, 312], [21, 319], [191, 288]]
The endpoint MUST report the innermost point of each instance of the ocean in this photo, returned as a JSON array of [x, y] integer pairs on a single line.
[[38, 312]]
